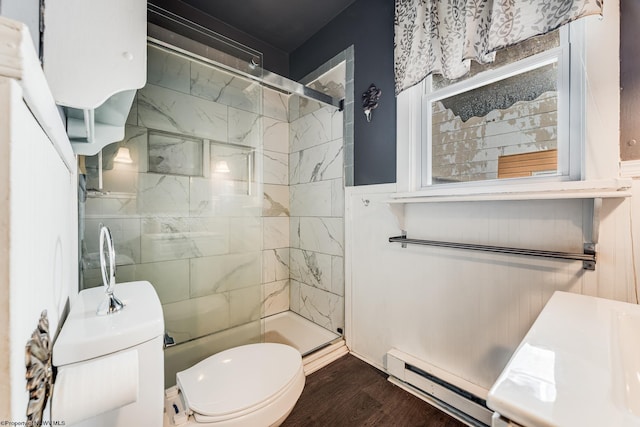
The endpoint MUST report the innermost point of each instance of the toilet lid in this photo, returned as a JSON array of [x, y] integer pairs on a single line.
[[239, 378]]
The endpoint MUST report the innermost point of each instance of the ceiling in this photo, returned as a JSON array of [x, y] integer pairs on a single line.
[[284, 24]]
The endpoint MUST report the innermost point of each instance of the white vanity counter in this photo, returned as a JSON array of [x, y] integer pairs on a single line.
[[579, 365]]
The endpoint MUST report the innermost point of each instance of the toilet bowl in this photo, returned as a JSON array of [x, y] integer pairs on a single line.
[[110, 372], [250, 385]]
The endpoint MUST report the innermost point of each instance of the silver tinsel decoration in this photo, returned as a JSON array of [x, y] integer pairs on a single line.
[[370, 100]]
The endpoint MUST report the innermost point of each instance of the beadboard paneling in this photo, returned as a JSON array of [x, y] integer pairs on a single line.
[[466, 311]]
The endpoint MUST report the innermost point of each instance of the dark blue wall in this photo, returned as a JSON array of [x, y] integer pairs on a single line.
[[368, 26]]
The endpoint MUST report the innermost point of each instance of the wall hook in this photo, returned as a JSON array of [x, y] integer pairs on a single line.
[[370, 100]]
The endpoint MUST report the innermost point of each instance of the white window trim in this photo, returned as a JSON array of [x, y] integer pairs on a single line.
[[412, 129]]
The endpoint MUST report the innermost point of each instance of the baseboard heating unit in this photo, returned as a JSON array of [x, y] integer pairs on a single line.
[[460, 399]]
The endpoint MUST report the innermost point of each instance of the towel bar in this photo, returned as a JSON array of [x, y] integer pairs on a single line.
[[588, 258]]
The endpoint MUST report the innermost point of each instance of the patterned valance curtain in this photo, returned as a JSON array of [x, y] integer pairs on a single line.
[[442, 36]]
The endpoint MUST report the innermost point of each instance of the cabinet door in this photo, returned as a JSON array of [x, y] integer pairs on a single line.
[[94, 49]]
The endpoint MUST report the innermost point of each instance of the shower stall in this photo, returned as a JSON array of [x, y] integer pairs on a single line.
[[227, 195]]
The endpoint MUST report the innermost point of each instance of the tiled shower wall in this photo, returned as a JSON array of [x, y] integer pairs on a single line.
[[317, 214], [310, 270], [275, 211], [197, 239], [223, 261]]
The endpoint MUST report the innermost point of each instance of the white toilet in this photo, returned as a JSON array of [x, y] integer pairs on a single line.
[[110, 372], [250, 385]]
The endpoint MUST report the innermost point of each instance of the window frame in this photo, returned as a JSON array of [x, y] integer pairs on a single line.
[[414, 128]]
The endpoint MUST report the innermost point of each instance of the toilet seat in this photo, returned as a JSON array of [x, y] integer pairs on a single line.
[[242, 380]]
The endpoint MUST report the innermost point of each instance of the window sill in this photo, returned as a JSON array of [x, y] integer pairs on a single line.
[[596, 189]]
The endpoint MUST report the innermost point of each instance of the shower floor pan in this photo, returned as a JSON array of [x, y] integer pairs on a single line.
[[317, 345]]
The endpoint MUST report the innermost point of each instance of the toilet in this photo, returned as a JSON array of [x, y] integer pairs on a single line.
[[250, 385], [110, 372]]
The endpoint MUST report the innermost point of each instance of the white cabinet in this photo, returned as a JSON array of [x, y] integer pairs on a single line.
[[95, 58]]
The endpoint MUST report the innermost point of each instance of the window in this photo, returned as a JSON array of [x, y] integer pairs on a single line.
[[512, 121]]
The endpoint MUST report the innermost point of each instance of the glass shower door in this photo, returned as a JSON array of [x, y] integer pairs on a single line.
[[185, 206]]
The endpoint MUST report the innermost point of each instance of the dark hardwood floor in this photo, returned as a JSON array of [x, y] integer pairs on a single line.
[[350, 392]]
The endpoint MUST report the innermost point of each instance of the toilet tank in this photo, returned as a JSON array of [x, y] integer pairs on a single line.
[[110, 368]]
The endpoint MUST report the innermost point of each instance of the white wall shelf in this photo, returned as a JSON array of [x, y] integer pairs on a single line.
[[613, 188], [596, 190]]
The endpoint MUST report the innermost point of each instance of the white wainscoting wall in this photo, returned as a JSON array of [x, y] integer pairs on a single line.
[[463, 311], [466, 311]]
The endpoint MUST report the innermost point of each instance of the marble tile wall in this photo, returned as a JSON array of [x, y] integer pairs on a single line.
[[194, 231], [275, 208], [222, 252], [342, 85], [316, 206]]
